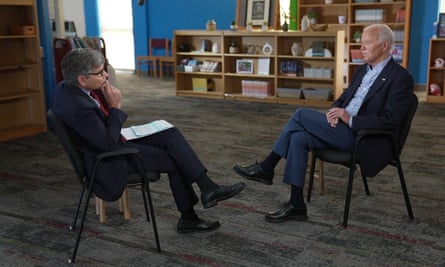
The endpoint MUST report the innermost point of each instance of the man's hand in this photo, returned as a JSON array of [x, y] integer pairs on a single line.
[[112, 95], [336, 114]]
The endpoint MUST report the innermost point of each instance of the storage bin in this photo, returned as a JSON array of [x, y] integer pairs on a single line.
[[290, 92], [321, 94], [22, 30]]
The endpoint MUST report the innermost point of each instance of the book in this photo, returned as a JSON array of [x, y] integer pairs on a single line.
[[138, 131], [263, 66]]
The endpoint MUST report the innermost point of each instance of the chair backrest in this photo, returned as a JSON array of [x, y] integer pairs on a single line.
[[155, 44], [406, 123], [68, 144]]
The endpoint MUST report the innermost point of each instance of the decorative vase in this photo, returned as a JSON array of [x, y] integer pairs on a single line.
[[296, 49], [211, 25], [215, 47], [233, 48], [264, 28], [305, 23], [285, 26], [267, 49]]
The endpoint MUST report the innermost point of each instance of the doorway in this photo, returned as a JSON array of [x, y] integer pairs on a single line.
[[116, 27]]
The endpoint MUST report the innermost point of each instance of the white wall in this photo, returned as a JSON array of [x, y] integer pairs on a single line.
[[72, 11]]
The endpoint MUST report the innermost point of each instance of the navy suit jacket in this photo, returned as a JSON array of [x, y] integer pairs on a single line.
[[384, 107], [87, 124]]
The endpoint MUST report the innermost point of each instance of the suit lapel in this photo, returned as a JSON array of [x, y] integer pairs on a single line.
[[380, 80]]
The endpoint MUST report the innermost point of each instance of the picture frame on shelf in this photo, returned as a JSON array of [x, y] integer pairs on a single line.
[[441, 26], [244, 66], [273, 18], [257, 12]]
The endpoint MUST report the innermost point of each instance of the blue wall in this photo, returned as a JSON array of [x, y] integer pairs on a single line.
[[424, 13], [159, 18]]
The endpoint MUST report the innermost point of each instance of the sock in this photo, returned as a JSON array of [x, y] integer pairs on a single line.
[[268, 164], [296, 196], [204, 183], [189, 215]]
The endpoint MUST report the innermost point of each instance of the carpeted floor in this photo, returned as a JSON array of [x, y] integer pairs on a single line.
[[38, 192]]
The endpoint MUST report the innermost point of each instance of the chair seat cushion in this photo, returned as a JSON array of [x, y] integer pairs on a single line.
[[135, 179], [333, 156]]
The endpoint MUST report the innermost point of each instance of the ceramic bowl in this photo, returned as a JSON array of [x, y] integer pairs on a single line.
[[319, 27]]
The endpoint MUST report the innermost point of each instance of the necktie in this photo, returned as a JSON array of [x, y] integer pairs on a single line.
[[103, 108], [99, 100]]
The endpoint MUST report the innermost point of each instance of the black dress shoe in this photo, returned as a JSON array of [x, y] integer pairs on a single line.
[[210, 198], [254, 172], [287, 212], [200, 225]]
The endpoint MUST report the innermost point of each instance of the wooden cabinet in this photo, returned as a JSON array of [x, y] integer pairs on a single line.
[[436, 73], [269, 53], [22, 100], [360, 13]]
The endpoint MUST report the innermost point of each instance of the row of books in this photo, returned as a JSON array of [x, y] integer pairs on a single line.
[[257, 88]]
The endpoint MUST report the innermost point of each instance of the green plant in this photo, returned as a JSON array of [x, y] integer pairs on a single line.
[[357, 35], [312, 14]]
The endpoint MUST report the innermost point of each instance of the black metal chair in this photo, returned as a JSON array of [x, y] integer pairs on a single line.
[[142, 178], [350, 159]]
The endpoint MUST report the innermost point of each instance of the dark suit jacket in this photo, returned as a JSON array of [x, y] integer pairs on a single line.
[[384, 107], [87, 124]]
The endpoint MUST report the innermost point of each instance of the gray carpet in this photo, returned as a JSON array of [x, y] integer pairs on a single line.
[[39, 192]]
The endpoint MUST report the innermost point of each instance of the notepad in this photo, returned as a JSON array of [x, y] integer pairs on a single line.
[[138, 131]]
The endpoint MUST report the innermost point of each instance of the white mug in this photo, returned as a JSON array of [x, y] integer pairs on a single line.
[[341, 19]]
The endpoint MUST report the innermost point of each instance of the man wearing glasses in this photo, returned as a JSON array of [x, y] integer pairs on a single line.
[[91, 108]]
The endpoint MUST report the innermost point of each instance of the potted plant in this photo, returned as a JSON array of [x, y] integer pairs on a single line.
[[233, 26], [265, 26], [249, 26], [357, 36], [312, 15]]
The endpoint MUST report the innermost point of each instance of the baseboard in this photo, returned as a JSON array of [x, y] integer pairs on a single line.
[[419, 88]]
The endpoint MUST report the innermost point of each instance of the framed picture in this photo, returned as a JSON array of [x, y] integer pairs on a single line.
[[272, 18], [244, 66], [441, 25], [258, 12]]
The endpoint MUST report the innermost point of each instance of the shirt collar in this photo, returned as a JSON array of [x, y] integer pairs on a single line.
[[379, 67]]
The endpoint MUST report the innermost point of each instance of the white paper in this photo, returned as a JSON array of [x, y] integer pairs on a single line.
[[137, 131]]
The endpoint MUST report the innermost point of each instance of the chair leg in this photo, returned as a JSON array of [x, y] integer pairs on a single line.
[[311, 178], [102, 210], [82, 222], [365, 184], [79, 202], [123, 204], [138, 68], [321, 173], [405, 190], [348, 197], [152, 215]]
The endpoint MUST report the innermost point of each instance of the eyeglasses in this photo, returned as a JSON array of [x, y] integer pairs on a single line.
[[99, 73]]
